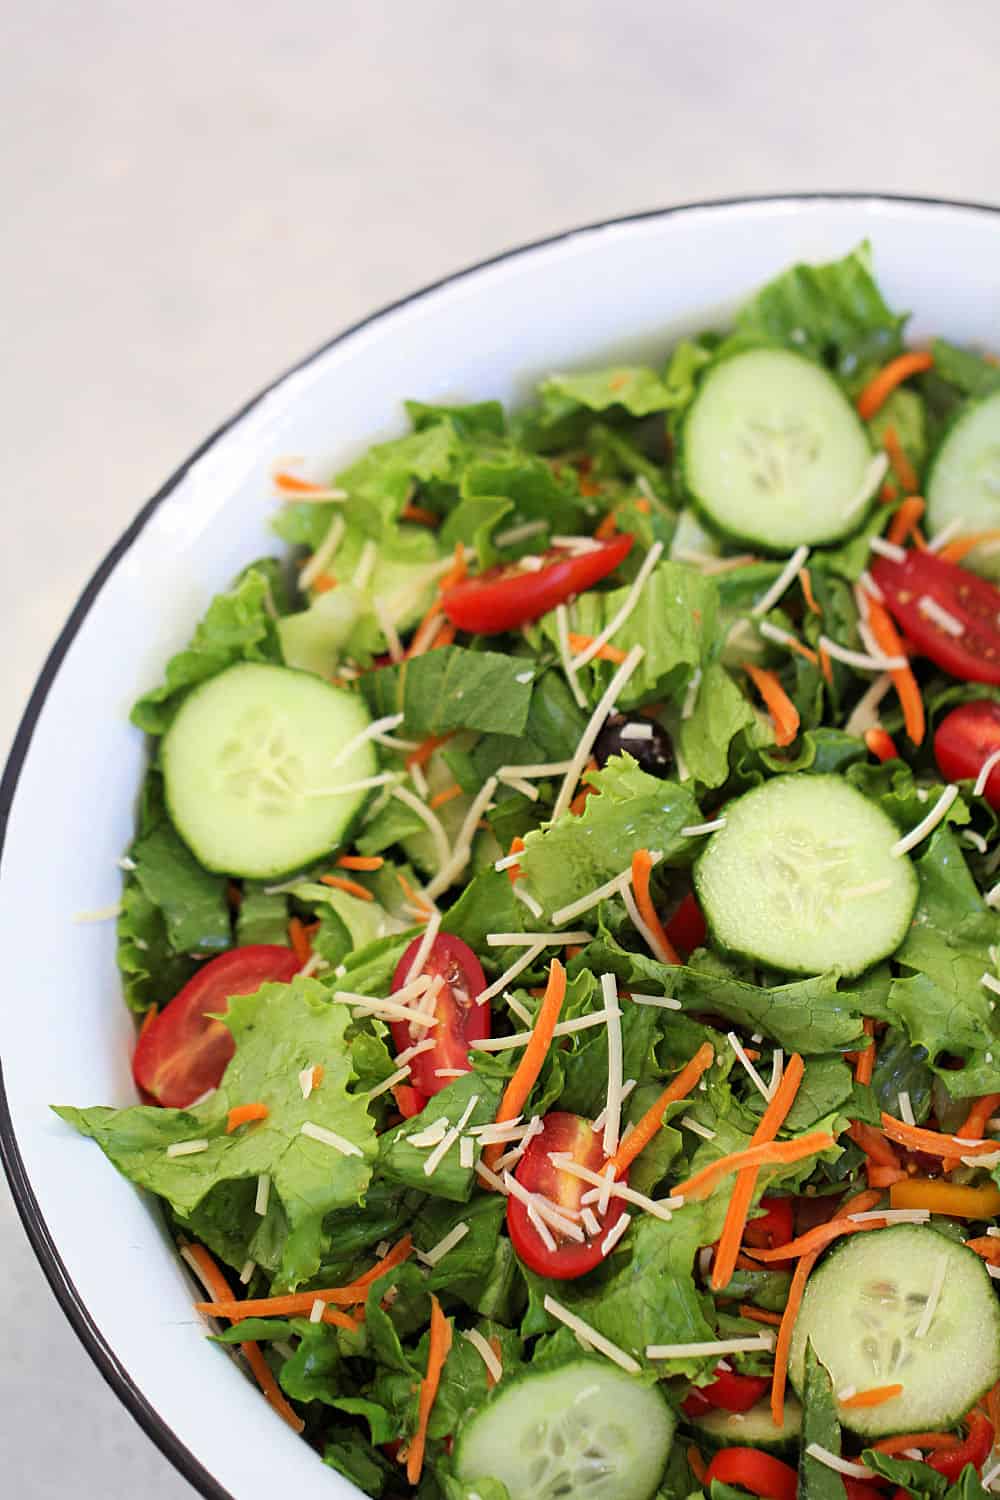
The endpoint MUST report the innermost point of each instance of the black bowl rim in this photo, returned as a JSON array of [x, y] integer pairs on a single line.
[[36, 1228]]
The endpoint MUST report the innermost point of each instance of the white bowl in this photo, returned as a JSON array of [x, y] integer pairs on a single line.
[[628, 287]]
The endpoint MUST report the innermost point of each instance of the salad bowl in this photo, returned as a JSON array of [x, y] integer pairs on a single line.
[[623, 290]]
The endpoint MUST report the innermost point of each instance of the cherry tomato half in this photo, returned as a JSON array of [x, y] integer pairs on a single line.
[[728, 1392], [459, 1020], [776, 1226], [754, 1471], [972, 602], [504, 597], [183, 1053], [964, 739], [561, 1131], [975, 1450], [686, 929]]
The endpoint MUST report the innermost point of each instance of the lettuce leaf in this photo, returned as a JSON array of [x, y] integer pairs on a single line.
[[817, 1481], [453, 688], [278, 1031], [638, 389], [720, 712], [150, 970], [237, 626], [404, 1163], [191, 902]]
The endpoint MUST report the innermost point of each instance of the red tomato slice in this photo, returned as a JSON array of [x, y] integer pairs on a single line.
[[754, 1471], [972, 602], [964, 739], [183, 1054], [776, 1226], [504, 597], [728, 1392], [686, 929], [460, 1020], [572, 1134]]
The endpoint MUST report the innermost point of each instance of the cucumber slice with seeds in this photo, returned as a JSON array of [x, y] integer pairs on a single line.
[[908, 1306], [751, 1429], [249, 772], [583, 1431], [774, 454], [964, 480], [802, 878]]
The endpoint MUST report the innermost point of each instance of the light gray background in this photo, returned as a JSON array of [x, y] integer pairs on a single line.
[[195, 194]]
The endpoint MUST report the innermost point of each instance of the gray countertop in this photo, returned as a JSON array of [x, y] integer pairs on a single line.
[[196, 194]]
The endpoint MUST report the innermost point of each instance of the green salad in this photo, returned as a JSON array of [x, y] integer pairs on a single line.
[[562, 930]]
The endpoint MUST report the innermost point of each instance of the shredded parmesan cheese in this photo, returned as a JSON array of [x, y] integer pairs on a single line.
[[590, 1336], [431, 821], [324, 554], [748, 1345], [541, 1229], [691, 694], [535, 939], [861, 661], [936, 815], [526, 899], [663, 1002], [614, 1234], [466, 1153], [389, 1083], [509, 975], [930, 1306], [991, 760], [612, 887], [905, 1108], [618, 619], [943, 537], [537, 769], [696, 830], [841, 1465], [484, 1351], [462, 851], [696, 1128], [329, 1138], [740, 1051], [784, 580], [613, 1117], [887, 549], [863, 716], [249, 1267], [517, 784], [187, 1148], [522, 1038], [440, 1250], [263, 1194], [366, 565], [593, 729], [566, 657], [932, 610], [426, 944], [565, 1163], [519, 533]]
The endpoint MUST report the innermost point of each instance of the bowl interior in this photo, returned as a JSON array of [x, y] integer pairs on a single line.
[[624, 289]]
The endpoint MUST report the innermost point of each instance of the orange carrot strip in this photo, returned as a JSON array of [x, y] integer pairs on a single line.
[[437, 1353], [876, 1395], [352, 887], [419, 515], [901, 466], [318, 1074], [422, 754], [243, 1114], [859, 1203], [955, 551], [772, 1153], [642, 864], [816, 1240], [881, 744], [448, 795], [579, 802], [906, 520], [783, 1342], [825, 664], [323, 583], [298, 940], [779, 705], [516, 847], [361, 861], [642, 505], [975, 1121], [607, 528], [884, 1177], [930, 1442], [291, 484], [444, 637], [903, 680], [873, 1143], [293, 1303], [696, 1464], [806, 651], [523, 1079], [221, 1290], [758, 1315], [648, 1127], [881, 386], [986, 1246], [606, 652], [864, 1065], [805, 580], [743, 1189], [914, 1138]]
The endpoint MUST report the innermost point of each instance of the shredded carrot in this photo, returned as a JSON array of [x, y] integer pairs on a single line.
[[588, 487], [579, 802], [448, 795], [243, 1114], [816, 1240], [351, 887], [743, 1189], [444, 637], [958, 1200], [323, 583], [648, 1127], [884, 1177], [422, 754], [881, 386], [516, 847], [770, 1154], [881, 744], [437, 1353], [413, 896], [419, 515], [758, 1315], [607, 528], [805, 580], [606, 652], [873, 1143], [295, 1303], [888, 494], [361, 862], [975, 1122], [906, 520], [901, 466], [642, 505], [864, 1065], [497, 1349], [796, 645], [298, 940], [930, 1442], [783, 1343], [291, 484], [642, 865], [221, 1291], [781, 708], [523, 1079], [903, 680], [876, 1395], [858, 1203], [825, 664], [956, 551], [914, 1138], [986, 1246], [696, 1464], [319, 1073]]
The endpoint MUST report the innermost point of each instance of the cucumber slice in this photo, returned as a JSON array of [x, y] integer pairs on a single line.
[[583, 1431], [802, 878], [248, 769], [751, 1429], [863, 1308], [774, 454], [964, 480]]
